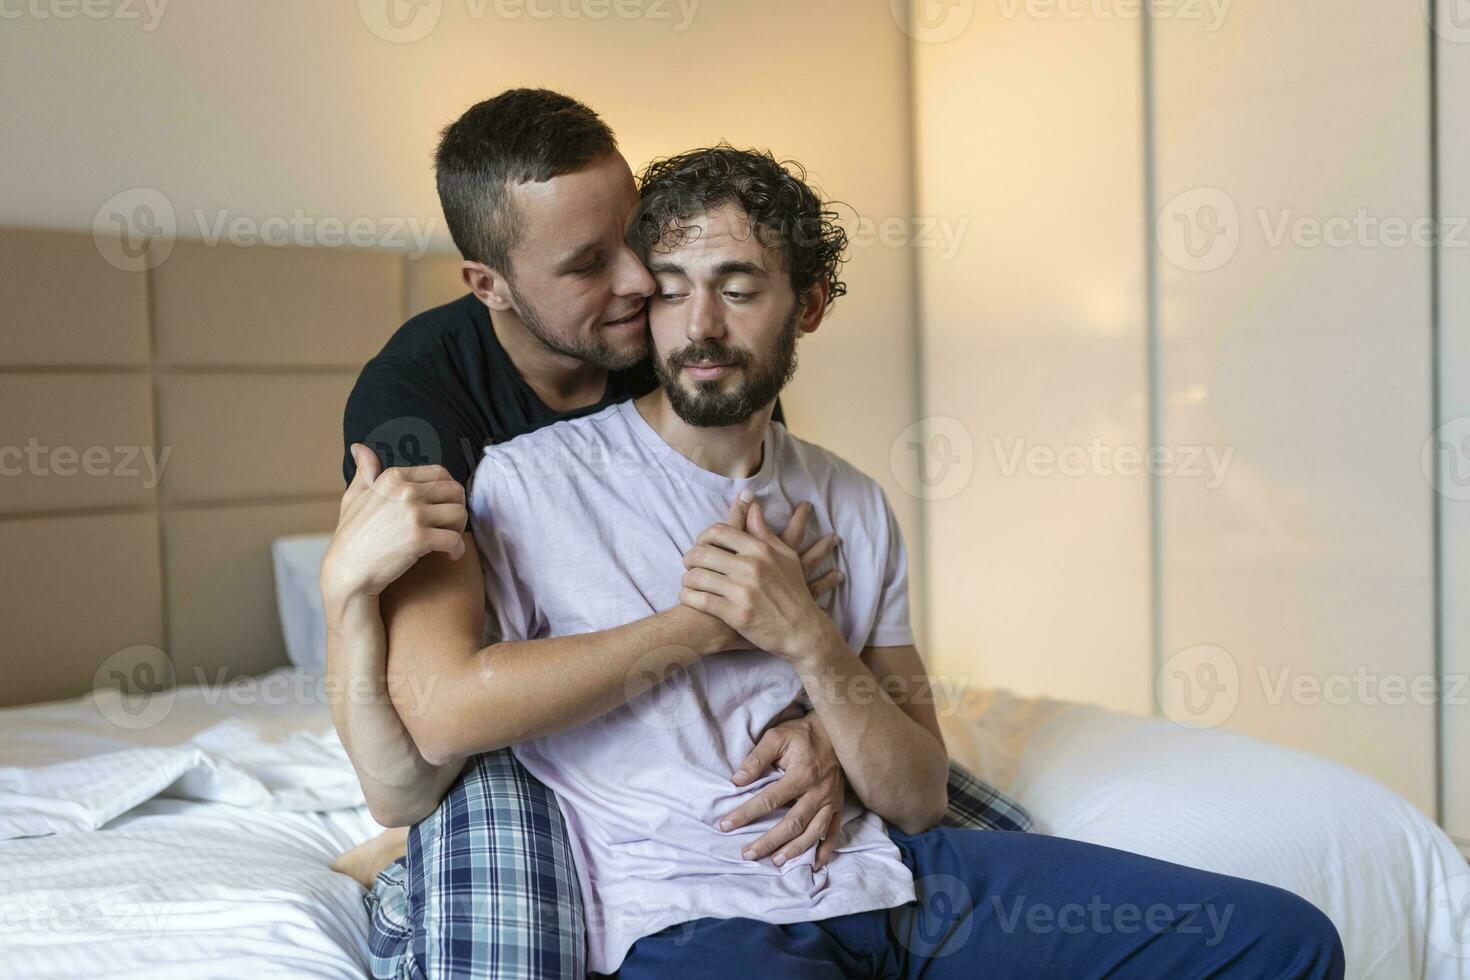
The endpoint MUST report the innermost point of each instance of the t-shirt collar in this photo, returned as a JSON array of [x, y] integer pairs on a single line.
[[688, 468]]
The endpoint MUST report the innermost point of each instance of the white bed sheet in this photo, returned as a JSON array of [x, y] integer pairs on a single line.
[[1391, 881], [179, 887]]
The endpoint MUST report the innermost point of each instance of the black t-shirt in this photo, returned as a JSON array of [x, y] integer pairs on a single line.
[[442, 389]]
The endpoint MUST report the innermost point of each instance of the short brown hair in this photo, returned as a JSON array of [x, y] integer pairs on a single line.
[[524, 135]]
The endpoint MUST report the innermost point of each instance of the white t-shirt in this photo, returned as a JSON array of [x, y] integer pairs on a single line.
[[582, 526]]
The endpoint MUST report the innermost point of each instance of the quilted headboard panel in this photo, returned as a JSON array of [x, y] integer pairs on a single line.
[[158, 428]]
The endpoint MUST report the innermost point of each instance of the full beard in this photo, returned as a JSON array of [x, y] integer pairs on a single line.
[[706, 406]]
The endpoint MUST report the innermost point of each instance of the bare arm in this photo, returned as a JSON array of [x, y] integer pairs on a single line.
[[457, 698], [386, 523], [893, 756], [418, 693], [879, 714], [401, 786]]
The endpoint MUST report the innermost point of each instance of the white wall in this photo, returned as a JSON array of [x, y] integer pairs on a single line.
[[1454, 144], [1029, 137], [273, 106], [1312, 563], [1304, 552]]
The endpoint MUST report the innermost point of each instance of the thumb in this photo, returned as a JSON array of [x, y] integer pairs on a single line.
[[756, 525], [368, 467], [739, 508]]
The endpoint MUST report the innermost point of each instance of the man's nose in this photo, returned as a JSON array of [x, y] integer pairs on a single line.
[[632, 278], [705, 318]]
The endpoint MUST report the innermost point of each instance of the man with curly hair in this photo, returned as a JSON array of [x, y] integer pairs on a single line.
[[641, 647], [747, 258], [552, 326]]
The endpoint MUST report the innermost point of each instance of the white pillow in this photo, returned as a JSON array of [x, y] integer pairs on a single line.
[[298, 563]]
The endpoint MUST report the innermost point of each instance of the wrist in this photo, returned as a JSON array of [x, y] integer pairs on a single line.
[[701, 632], [348, 610], [811, 645]]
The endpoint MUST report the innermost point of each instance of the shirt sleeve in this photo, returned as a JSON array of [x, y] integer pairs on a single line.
[[494, 516], [891, 627], [399, 414]]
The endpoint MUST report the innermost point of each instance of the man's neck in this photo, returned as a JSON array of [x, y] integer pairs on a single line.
[[733, 450], [563, 383]]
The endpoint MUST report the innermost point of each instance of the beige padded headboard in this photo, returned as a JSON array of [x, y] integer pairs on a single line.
[[234, 362]]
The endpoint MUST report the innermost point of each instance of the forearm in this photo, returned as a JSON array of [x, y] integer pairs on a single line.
[[897, 768], [401, 787], [510, 692]]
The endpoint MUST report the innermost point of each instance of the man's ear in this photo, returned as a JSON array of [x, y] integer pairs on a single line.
[[813, 307], [490, 285]]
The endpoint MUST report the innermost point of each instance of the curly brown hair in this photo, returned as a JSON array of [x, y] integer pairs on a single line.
[[787, 213]]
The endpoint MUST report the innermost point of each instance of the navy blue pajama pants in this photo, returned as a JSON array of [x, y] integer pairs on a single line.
[[1009, 905]]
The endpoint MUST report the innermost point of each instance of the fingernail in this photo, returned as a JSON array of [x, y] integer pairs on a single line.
[[747, 495], [748, 854], [741, 773], [778, 860], [726, 825], [842, 576]]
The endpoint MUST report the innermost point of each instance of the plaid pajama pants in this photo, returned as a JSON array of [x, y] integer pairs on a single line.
[[488, 889]]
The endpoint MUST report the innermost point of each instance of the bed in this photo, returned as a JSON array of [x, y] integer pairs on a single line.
[[193, 835], [201, 844]]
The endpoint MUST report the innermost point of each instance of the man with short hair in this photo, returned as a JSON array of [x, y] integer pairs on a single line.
[[747, 262], [539, 202]]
